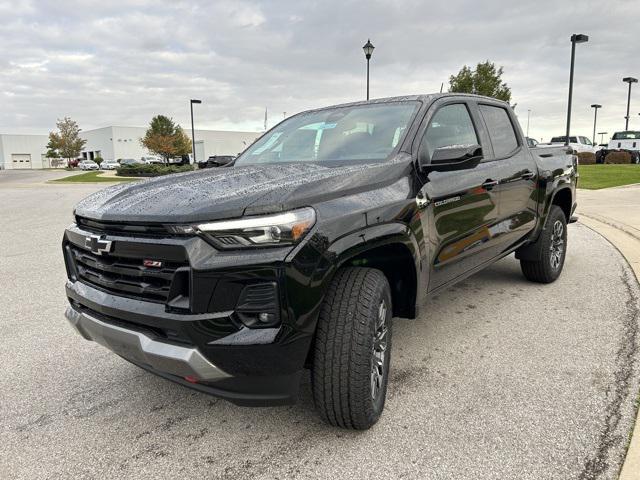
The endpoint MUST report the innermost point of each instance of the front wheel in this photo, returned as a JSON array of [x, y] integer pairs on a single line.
[[551, 249], [352, 349]]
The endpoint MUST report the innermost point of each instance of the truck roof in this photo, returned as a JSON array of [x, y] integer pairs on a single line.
[[425, 98]]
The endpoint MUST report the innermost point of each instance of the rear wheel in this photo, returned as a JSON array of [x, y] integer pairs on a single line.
[[352, 349], [551, 248]]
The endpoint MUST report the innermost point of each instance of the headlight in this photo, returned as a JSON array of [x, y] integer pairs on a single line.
[[286, 228]]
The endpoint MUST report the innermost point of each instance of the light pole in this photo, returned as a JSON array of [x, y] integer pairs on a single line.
[[575, 38], [595, 106], [193, 132], [628, 80], [602, 134], [368, 50], [528, 118]]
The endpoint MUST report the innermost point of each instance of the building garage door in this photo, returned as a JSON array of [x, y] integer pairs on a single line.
[[20, 160]]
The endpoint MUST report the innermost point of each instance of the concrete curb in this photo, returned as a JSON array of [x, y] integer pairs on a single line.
[[628, 244]]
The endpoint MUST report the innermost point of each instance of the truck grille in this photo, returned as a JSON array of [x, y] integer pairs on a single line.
[[125, 276], [114, 228]]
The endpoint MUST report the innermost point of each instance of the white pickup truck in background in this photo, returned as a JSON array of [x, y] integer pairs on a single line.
[[626, 141], [578, 143]]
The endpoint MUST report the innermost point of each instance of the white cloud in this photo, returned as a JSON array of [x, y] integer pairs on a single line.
[[122, 62]]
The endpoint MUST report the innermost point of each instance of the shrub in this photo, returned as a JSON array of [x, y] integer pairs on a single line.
[[151, 170], [618, 157], [586, 158], [98, 160]]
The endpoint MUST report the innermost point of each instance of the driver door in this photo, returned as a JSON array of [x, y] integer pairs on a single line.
[[459, 208]]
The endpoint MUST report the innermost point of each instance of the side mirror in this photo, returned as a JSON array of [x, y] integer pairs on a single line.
[[454, 157]]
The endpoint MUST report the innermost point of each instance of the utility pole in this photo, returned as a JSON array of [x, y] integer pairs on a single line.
[[575, 38], [193, 132]]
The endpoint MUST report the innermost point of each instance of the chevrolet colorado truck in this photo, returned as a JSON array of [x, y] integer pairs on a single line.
[[235, 281]]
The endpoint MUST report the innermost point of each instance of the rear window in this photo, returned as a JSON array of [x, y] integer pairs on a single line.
[[563, 139], [503, 136], [626, 136]]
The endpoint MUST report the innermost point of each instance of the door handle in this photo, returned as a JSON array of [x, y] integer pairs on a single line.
[[527, 175], [489, 184]]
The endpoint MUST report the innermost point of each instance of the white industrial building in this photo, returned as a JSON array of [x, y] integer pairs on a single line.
[[28, 151]]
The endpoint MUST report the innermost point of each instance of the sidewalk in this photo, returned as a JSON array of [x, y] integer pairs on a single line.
[[615, 214]]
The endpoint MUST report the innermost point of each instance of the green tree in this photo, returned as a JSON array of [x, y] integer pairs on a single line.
[[66, 142], [486, 80], [166, 138]]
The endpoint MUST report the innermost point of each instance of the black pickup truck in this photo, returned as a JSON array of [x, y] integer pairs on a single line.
[[235, 281]]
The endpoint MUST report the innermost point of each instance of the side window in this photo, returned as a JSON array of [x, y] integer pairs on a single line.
[[501, 132], [451, 125]]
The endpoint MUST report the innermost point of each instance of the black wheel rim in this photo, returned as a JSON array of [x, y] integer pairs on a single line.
[[557, 244], [379, 351]]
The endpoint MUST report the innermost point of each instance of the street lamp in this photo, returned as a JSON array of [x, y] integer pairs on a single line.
[[368, 50], [575, 38], [595, 106], [628, 80], [602, 134], [193, 132]]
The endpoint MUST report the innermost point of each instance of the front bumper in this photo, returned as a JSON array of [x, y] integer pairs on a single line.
[[185, 365], [137, 347]]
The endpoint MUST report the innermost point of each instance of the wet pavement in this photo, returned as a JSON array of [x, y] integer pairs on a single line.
[[498, 378]]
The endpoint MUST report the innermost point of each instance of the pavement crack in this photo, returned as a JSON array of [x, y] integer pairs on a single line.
[[626, 357]]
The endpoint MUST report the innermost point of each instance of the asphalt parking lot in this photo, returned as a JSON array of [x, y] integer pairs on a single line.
[[498, 378]]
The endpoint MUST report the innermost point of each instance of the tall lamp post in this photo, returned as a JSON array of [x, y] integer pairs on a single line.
[[602, 134], [628, 80], [368, 50], [193, 132], [575, 38], [595, 106]]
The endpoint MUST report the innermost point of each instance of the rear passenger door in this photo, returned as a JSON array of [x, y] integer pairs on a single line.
[[517, 178]]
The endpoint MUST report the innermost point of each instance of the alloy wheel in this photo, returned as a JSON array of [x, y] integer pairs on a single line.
[[379, 350], [557, 244]]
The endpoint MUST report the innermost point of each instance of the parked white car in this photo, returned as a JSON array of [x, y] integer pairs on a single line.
[[109, 165], [88, 165], [150, 160], [578, 143]]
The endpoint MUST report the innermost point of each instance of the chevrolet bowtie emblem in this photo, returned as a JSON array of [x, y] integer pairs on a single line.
[[97, 244]]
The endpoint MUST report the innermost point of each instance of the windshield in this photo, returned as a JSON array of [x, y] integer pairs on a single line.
[[626, 136], [563, 139], [364, 132]]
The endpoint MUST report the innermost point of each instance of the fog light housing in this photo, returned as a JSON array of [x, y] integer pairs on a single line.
[[258, 305]]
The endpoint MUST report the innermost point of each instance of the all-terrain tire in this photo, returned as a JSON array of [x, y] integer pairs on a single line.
[[551, 250], [352, 349]]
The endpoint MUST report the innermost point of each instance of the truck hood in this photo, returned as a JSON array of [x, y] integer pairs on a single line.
[[218, 193]]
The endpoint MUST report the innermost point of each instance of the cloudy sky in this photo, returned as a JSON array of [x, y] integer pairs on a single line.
[[118, 63]]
